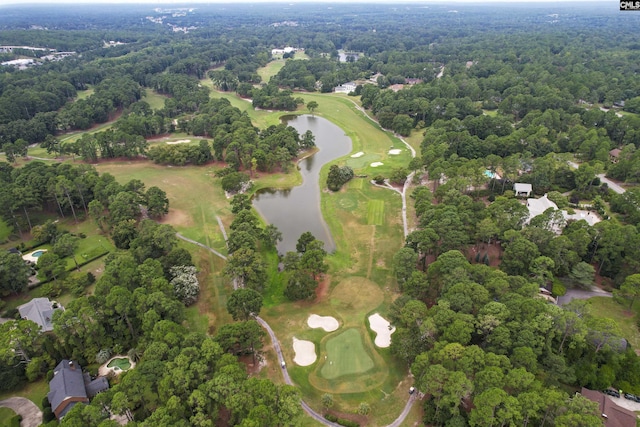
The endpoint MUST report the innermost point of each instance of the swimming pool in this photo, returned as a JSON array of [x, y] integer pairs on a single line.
[[38, 253]]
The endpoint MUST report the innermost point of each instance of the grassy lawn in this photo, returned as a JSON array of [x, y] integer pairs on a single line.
[[271, 69], [625, 318], [5, 416], [35, 392], [154, 99], [84, 94]]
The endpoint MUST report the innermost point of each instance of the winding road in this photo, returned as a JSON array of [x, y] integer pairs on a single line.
[[278, 349]]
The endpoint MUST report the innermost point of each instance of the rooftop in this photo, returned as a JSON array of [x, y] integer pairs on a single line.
[[39, 310]]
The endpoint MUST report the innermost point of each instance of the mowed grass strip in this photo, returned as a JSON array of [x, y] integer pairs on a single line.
[[346, 355], [375, 212]]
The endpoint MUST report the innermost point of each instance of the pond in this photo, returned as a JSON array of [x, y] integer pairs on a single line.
[[297, 210]]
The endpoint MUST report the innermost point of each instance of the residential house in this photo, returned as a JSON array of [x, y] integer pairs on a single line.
[[614, 155], [345, 87], [522, 189], [538, 206], [40, 310], [70, 386], [613, 415]]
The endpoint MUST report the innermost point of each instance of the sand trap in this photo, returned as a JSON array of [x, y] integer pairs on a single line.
[[376, 164], [395, 151], [358, 154], [328, 323], [383, 330], [180, 141], [305, 352]]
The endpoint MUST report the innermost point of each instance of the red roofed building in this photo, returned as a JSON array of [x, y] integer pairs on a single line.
[[613, 415]]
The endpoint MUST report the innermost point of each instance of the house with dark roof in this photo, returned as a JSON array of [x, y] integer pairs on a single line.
[[69, 386], [613, 415], [40, 310]]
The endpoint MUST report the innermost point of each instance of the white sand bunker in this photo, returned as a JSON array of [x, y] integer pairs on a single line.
[[383, 330], [376, 164], [305, 352], [358, 154], [328, 323], [180, 141], [395, 151]]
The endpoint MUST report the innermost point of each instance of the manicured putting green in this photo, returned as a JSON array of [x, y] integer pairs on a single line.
[[346, 355], [375, 212]]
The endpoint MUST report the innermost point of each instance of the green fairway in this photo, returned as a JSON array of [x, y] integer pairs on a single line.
[[271, 69], [346, 355], [375, 212], [84, 94], [154, 99]]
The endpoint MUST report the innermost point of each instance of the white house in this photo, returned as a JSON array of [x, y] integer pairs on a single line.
[[287, 49], [538, 206], [523, 190], [345, 87]]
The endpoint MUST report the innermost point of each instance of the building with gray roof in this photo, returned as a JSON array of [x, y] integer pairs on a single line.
[[39, 310], [69, 386]]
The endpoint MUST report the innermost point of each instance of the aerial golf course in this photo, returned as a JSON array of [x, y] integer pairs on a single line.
[[366, 225]]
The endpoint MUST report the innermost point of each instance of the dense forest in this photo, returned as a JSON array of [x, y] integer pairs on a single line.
[[519, 91]]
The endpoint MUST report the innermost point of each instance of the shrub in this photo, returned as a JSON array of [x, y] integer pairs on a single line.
[[331, 418], [558, 288], [378, 179]]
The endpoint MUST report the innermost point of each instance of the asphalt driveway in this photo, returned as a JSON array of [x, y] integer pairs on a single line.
[[31, 414]]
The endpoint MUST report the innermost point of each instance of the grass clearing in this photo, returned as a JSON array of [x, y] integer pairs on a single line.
[[375, 212], [626, 319], [271, 69], [154, 99], [84, 94]]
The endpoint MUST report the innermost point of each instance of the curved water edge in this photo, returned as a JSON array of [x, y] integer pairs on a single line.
[[297, 210]]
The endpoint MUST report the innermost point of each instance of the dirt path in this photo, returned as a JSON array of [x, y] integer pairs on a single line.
[[30, 413]]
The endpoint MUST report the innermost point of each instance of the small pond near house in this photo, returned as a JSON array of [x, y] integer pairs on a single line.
[[297, 210]]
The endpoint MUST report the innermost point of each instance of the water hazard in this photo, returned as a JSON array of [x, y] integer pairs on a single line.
[[297, 210]]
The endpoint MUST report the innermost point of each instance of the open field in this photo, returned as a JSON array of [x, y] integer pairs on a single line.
[[154, 99], [84, 94], [271, 69], [195, 201], [625, 318]]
